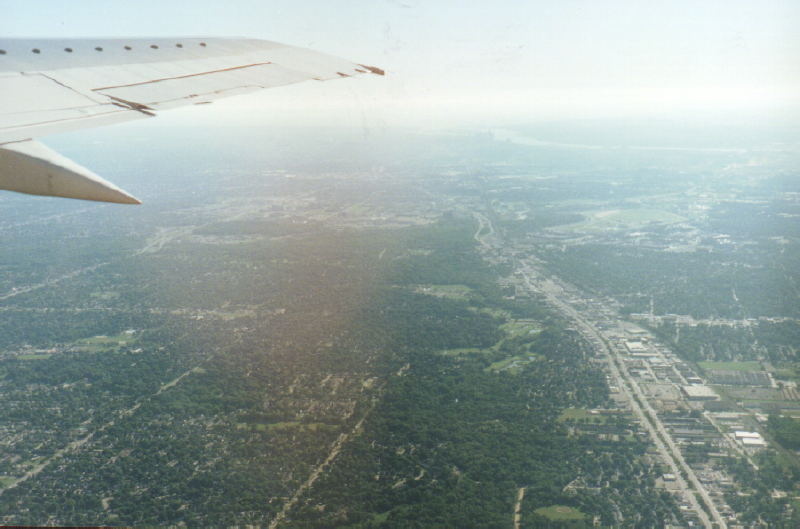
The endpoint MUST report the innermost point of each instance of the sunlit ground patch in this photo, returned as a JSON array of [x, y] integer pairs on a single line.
[[621, 218]]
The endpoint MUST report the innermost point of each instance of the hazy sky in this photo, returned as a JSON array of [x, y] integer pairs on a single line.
[[479, 61]]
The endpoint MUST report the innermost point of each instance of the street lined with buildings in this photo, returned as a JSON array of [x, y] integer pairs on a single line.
[[672, 403]]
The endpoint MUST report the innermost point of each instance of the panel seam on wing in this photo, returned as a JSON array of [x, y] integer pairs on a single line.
[[182, 76], [124, 109], [68, 87]]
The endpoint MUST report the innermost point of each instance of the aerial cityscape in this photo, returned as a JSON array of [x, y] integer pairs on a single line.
[[513, 327], [446, 264]]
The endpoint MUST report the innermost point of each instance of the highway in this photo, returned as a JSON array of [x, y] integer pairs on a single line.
[[670, 453], [553, 290]]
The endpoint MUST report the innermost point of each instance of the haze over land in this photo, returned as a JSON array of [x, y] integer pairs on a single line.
[[543, 274], [319, 328]]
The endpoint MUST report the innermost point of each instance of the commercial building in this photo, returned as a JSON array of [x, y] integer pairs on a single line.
[[750, 439], [699, 392], [635, 347]]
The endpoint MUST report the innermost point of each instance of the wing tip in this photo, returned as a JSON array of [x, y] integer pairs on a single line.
[[373, 69], [130, 199]]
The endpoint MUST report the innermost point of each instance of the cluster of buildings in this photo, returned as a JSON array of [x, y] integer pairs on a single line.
[[749, 439]]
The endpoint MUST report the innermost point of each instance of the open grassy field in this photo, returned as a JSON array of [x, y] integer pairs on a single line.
[[34, 356], [621, 218], [574, 413], [730, 366], [788, 373], [496, 313], [512, 328], [105, 295], [581, 413], [560, 513], [444, 291], [520, 328], [96, 344], [512, 364], [380, 518]]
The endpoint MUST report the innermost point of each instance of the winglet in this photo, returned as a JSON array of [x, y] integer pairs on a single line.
[[373, 69], [30, 167]]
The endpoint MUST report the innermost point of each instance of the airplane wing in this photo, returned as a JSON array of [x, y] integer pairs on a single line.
[[52, 86]]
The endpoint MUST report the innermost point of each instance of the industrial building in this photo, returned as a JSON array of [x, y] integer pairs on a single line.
[[635, 347], [749, 439], [699, 392]]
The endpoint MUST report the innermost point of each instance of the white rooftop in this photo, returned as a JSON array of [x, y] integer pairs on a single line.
[[741, 434], [699, 391], [635, 346]]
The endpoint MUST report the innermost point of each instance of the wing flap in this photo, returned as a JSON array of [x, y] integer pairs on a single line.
[[34, 104], [56, 86], [67, 123], [23, 94]]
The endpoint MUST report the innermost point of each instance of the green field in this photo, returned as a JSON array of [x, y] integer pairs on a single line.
[[580, 413], [496, 313], [444, 291], [520, 328], [560, 513], [752, 393], [619, 218], [105, 295], [574, 413], [512, 364], [34, 356], [461, 351], [512, 328], [730, 366], [359, 209], [788, 373], [96, 344], [380, 518], [785, 406]]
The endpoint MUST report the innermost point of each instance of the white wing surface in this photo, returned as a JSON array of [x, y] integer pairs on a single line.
[[51, 86]]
